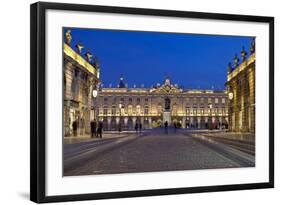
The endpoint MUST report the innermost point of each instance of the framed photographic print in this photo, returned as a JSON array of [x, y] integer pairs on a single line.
[[129, 102]]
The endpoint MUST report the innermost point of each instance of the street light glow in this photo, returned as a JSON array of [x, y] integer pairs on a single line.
[[95, 93], [230, 96]]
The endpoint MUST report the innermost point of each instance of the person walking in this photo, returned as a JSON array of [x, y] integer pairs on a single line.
[[175, 126], [140, 127], [100, 127], [93, 128], [119, 128], [166, 127], [74, 127], [136, 127]]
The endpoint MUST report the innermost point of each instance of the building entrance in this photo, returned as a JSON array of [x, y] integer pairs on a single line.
[[167, 117]]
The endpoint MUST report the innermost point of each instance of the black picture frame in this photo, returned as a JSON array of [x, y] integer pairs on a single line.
[[38, 101]]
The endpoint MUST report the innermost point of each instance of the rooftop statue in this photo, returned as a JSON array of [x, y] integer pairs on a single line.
[[68, 36]]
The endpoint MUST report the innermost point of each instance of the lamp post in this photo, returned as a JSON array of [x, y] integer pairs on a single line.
[[95, 94], [230, 112], [186, 119], [120, 107], [211, 123]]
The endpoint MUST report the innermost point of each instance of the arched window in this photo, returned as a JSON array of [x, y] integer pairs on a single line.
[[167, 103], [187, 110], [146, 110], [113, 110], [105, 110], [159, 109], [174, 111], [130, 109], [138, 109]]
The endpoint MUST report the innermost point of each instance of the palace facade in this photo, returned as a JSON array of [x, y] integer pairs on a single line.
[[189, 108], [241, 91], [81, 76]]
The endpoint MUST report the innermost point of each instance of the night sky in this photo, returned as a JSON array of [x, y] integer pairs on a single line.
[[190, 60]]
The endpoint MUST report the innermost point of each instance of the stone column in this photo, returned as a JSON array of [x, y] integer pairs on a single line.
[[90, 97], [77, 97], [220, 122], [183, 122], [206, 123], [150, 122], [109, 123], [199, 122], [252, 98], [126, 122], [117, 121], [67, 123], [142, 121], [134, 122], [76, 85], [68, 78]]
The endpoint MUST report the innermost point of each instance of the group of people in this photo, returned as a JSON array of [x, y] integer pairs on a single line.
[[138, 127], [96, 129]]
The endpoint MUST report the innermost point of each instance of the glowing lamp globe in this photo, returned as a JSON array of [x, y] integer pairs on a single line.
[[230, 96], [95, 93]]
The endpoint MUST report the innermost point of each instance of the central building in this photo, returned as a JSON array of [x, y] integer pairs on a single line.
[[152, 107]]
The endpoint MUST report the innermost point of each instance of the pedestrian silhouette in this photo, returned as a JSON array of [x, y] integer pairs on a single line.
[[136, 127], [175, 127], [99, 131], [120, 128], [93, 128], [166, 127], [74, 127]]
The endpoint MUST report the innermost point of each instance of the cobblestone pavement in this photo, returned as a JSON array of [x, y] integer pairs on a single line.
[[151, 151]]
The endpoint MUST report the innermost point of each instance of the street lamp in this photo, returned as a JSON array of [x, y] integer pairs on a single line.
[[211, 123], [120, 107], [95, 94], [230, 96]]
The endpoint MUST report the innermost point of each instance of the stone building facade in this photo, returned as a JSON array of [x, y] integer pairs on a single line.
[[201, 109], [241, 91], [81, 76]]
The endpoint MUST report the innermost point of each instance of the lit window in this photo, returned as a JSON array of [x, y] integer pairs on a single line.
[[216, 100], [138, 109], [130, 109], [105, 110], [146, 110], [159, 109], [113, 110]]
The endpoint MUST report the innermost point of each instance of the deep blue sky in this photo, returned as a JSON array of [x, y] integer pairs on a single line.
[[191, 60]]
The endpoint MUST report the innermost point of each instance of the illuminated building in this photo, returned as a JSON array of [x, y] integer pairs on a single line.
[[81, 76], [241, 91], [189, 108]]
